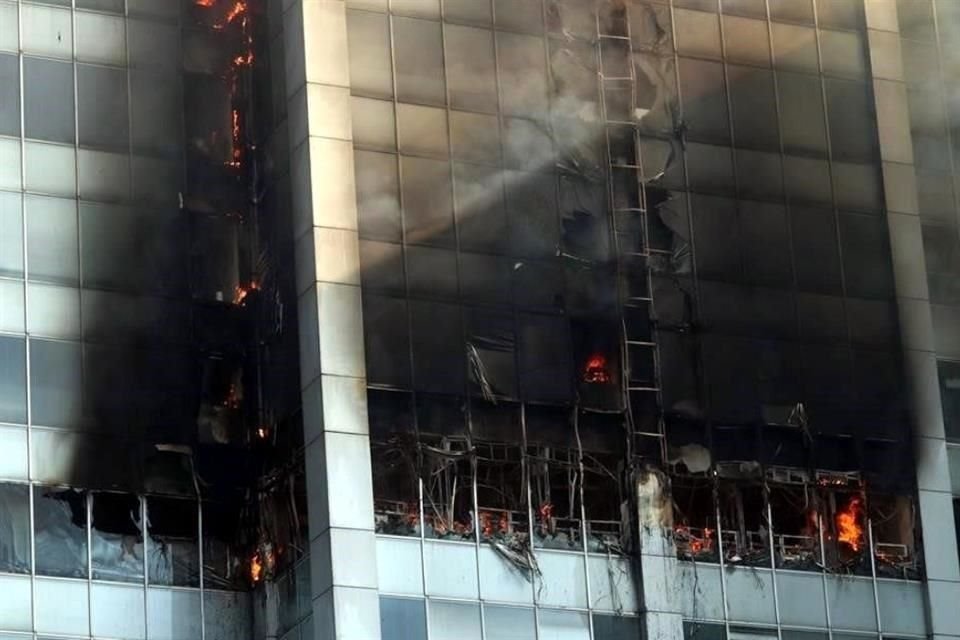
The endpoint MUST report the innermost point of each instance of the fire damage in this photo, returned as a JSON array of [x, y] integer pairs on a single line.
[[194, 457], [542, 428]]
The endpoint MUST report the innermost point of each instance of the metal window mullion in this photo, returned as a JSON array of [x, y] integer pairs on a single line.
[[833, 197], [680, 139], [945, 105], [26, 339], [783, 172], [406, 271]]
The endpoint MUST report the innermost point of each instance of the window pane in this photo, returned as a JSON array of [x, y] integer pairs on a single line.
[[117, 538], [368, 36], [9, 26], [698, 33], [14, 528], [13, 380], [115, 6], [156, 112], [428, 210], [843, 14], [438, 347], [48, 100], [419, 8], [101, 38], [795, 47], [704, 99], [523, 79], [51, 168], [454, 620], [173, 556], [949, 374], [422, 130], [381, 266], [792, 10], [843, 53], [617, 627], [815, 239], [509, 623], [807, 180], [432, 272], [60, 531], [11, 234], [402, 619], [11, 306], [765, 244], [564, 625], [378, 195], [471, 72], [481, 217], [716, 237], [468, 11], [850, 114], [53, 311], [387, 341], [10, 97], [55, 383], [801, 108], [754, 107], [419, 58], [866, 256], [102, 106], [374, 123], [525, 16], [52, 239], [915, 19], [476, 137], [746, 40], [47, 31]]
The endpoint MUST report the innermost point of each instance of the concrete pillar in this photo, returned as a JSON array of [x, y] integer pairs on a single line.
[[916, 324], [332, 365]]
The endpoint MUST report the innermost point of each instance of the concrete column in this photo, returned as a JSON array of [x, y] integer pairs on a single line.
[[332, 365], [916, 323], [658, 568]]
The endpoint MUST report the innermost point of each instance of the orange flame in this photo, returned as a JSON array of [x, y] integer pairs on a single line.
[[848, 524], [205, 3], [262, 433], [595, 371], [256, 568], [241, 292]]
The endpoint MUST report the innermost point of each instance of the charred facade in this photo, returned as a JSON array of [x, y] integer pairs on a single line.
[[586, 319]]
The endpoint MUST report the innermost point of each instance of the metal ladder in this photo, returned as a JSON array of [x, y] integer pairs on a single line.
[[629, 229]]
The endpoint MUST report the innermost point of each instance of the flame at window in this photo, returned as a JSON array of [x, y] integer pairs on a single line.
[[596, 371], [849, 529]]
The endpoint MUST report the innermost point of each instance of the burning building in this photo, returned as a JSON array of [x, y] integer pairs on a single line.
[[409, 319]]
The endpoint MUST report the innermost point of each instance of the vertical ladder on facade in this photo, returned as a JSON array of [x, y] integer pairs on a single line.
[[629, 226]]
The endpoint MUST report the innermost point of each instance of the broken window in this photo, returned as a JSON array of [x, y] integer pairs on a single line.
[[555, 477], [695, 519], [116, 538], [743, 522], [446, 467], [172, 556], [60, 532], [502, 495], [223, 534], [845, 524], [393, 449], [14, 528], [794, 507], [893, 518], [606, 507]]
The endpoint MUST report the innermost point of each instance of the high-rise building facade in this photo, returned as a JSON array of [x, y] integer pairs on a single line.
[[495, 319]]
